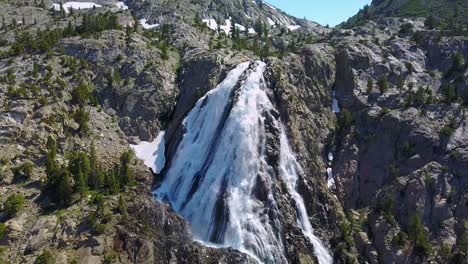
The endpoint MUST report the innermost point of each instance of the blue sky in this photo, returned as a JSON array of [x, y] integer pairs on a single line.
[[331, 12]]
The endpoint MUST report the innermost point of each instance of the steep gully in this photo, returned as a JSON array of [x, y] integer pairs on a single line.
[[220, 177]]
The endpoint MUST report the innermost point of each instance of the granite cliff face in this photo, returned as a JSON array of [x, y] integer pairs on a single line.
[[374, 113]]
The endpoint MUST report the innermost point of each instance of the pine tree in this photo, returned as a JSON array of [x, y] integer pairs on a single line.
[[259, 27], [400, 83], [125, 172], [164, 51], [94, 169], [81, 116], [80, 183], [64, 188], [51, 165], [62, 10], [383, 84], [111, 182], [370, 85], [233, 30]]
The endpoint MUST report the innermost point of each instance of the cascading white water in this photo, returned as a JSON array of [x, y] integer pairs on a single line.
[[289, 171], [212, 177]]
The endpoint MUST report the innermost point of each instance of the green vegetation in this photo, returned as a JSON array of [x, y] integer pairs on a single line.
[[23, 171], [450, 16], [47, 257], [13, 204], [3, 230], [448, 129], [345, 120], [458, 62], [81, 117], [449, 92], [83, 173], [383, 84], [406, 29], [83, 93], [419, 236], [421, 97], [370, 85], [393, 171], [44, 40], [401, 239], [99, 219]]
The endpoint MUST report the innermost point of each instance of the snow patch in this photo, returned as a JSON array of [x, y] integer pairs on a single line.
[[330, 179], [75, 5], [121, 5], [270, 6], [145, 25], [330, 156], [152, 153], [213, 25], [293, 27], [271, 22], [335, 105]]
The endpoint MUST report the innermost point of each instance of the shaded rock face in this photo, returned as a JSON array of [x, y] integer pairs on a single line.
[[167, 237]]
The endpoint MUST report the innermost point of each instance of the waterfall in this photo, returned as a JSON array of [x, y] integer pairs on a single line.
[[289, 170], [213, 177]]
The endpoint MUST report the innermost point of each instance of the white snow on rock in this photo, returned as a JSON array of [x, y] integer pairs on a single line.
[[270, 6], [271, 22], [152, 153], [213, 25], [293, 27], [330, 156], [330, 179], [145, 25], [335, 105], [121, 5], [76, 6]]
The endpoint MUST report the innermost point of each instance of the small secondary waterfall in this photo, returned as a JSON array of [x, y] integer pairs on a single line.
[[214, 175]]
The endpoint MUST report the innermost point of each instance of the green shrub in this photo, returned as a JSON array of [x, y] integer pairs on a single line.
[[3, 230], [419, 37], [393, 171], [370, 85], [448, 129], [345, 119], [13, 204], [81, 116], [99, 229], [449, 92], [409, 67], [465, 97], [24, 170], [82, 93], [419, 236], [45, 258], [383, 84], [431, 22], [458, 62], [407, 150], [401, 239], [406, 28], [388, 210]]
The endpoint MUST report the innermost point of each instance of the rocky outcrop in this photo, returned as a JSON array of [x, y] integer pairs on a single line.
[[395, 159]]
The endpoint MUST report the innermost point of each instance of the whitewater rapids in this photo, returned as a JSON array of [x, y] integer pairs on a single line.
[[212, 177]]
